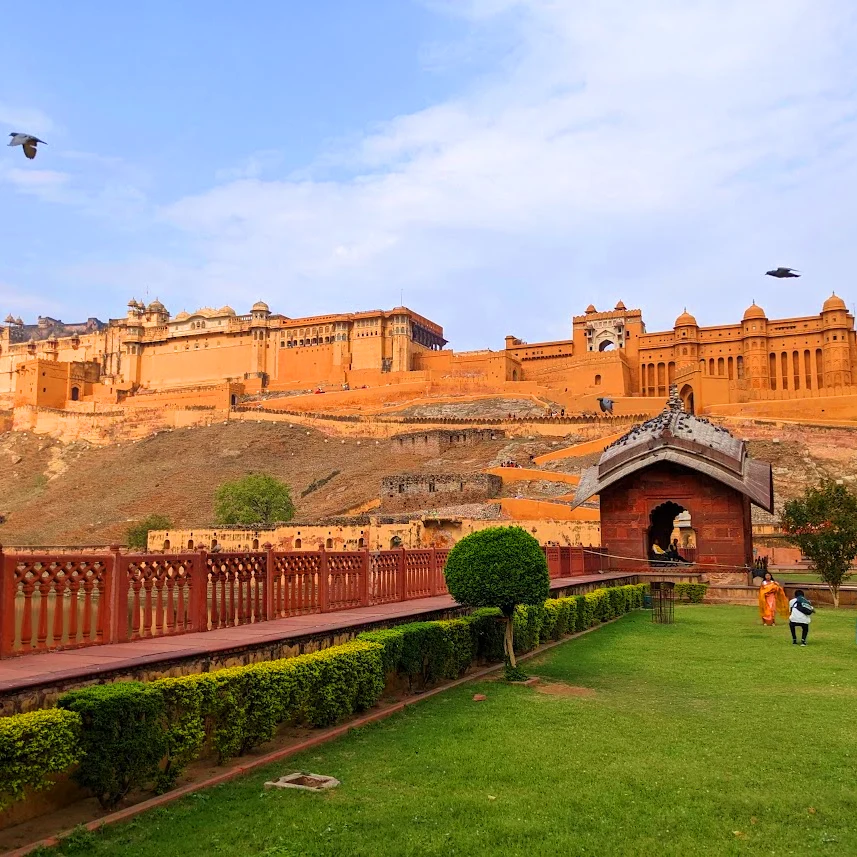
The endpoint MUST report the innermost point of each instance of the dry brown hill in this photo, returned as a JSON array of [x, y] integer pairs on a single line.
[[57, 493], [76, 494]]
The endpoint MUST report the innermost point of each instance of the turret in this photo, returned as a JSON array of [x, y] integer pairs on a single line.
[[754, 336], [836, 347]]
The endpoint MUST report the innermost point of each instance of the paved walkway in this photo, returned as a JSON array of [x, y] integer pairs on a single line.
[[28, 671]]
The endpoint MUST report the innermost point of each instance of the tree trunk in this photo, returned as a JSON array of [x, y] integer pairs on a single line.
[[509, 642], [834, 591]]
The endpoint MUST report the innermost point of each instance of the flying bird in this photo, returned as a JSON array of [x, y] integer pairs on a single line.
[[606, 405], [781, 273], [28, 141]]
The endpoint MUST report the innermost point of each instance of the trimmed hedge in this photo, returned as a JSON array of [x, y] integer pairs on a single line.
[[691, 593], [129, 734], [122, 737], [239, 708], [32, 747]]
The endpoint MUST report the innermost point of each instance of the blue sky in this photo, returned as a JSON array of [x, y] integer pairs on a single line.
[[500, 162]]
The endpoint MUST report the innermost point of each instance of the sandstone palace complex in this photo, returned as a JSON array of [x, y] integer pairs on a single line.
[[149, 351]]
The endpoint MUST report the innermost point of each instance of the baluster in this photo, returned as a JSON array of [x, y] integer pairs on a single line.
[[136, 586], [73, 606], [101, 608], [27, 620], [232, 577], [223, 579], [59, 609], [158, 584], [180, 583], [44, 590], [215, 612], [88, 583], [148, 583], [240, 575]]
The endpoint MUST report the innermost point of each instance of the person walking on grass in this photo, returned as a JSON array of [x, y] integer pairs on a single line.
[[800, 615], [772, 600]]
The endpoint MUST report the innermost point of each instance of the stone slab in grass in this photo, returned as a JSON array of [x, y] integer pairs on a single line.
[[305, 782]]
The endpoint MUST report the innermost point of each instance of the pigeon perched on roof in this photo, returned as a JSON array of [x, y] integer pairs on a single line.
[[28, 141], [781, 273], [606, 405]]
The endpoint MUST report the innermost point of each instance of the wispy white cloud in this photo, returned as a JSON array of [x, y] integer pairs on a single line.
[[662, 152]]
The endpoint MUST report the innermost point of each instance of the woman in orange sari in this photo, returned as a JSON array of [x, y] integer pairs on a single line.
[[772, 600]]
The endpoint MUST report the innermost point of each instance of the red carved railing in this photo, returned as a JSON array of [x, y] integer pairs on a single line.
[[60, 601], [383, 576], [157, 595], [295, 583], [235, 589], [51, 602]]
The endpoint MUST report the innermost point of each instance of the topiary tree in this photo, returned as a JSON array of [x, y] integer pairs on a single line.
[[499, 567], [254, 499], [137, 535], [823, 524]]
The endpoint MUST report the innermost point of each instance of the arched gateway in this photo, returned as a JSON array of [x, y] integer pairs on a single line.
[[671, 464]]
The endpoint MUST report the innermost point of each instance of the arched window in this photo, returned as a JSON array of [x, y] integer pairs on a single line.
[[784, 375], [819, 367], [329, 544], [711, 366], [298, 544], [772, 370], [190, 544], [361, 543], [807, 368], [75, 394], [597, 380], [796, 369], [721, 366], [739, 366], [730, 369], [255, 544], [166, 544]]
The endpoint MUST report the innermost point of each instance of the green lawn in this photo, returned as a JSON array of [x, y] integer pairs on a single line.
[[711, 736]]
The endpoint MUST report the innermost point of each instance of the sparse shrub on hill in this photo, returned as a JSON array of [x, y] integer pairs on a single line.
[[254, 499], [137, 535], [499, 567]]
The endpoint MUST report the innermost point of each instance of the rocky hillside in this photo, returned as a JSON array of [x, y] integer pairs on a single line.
[[76, 494]]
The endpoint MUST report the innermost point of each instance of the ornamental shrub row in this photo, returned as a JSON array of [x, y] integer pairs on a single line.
[[34, 746], [137, 735], [428, 651], [691, 593], [129, 735]]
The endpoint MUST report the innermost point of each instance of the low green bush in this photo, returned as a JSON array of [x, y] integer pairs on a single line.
[[691, 593], [239, 708], [122, 736], [34, 746]]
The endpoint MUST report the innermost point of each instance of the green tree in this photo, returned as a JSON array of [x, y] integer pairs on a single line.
[[823, 524], [137, 535], [254, 499], [499, 567]]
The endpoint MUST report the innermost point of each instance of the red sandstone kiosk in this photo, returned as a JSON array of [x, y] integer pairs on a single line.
[[672, 463]]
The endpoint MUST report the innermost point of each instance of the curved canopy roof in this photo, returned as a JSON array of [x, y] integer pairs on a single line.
[[681, 438]]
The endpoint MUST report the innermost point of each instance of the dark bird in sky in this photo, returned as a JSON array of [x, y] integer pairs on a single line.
[[28, 141], [782, 273], [606, 405]]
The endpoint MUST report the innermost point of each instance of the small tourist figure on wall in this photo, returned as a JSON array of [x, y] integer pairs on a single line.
[[772, 600]]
